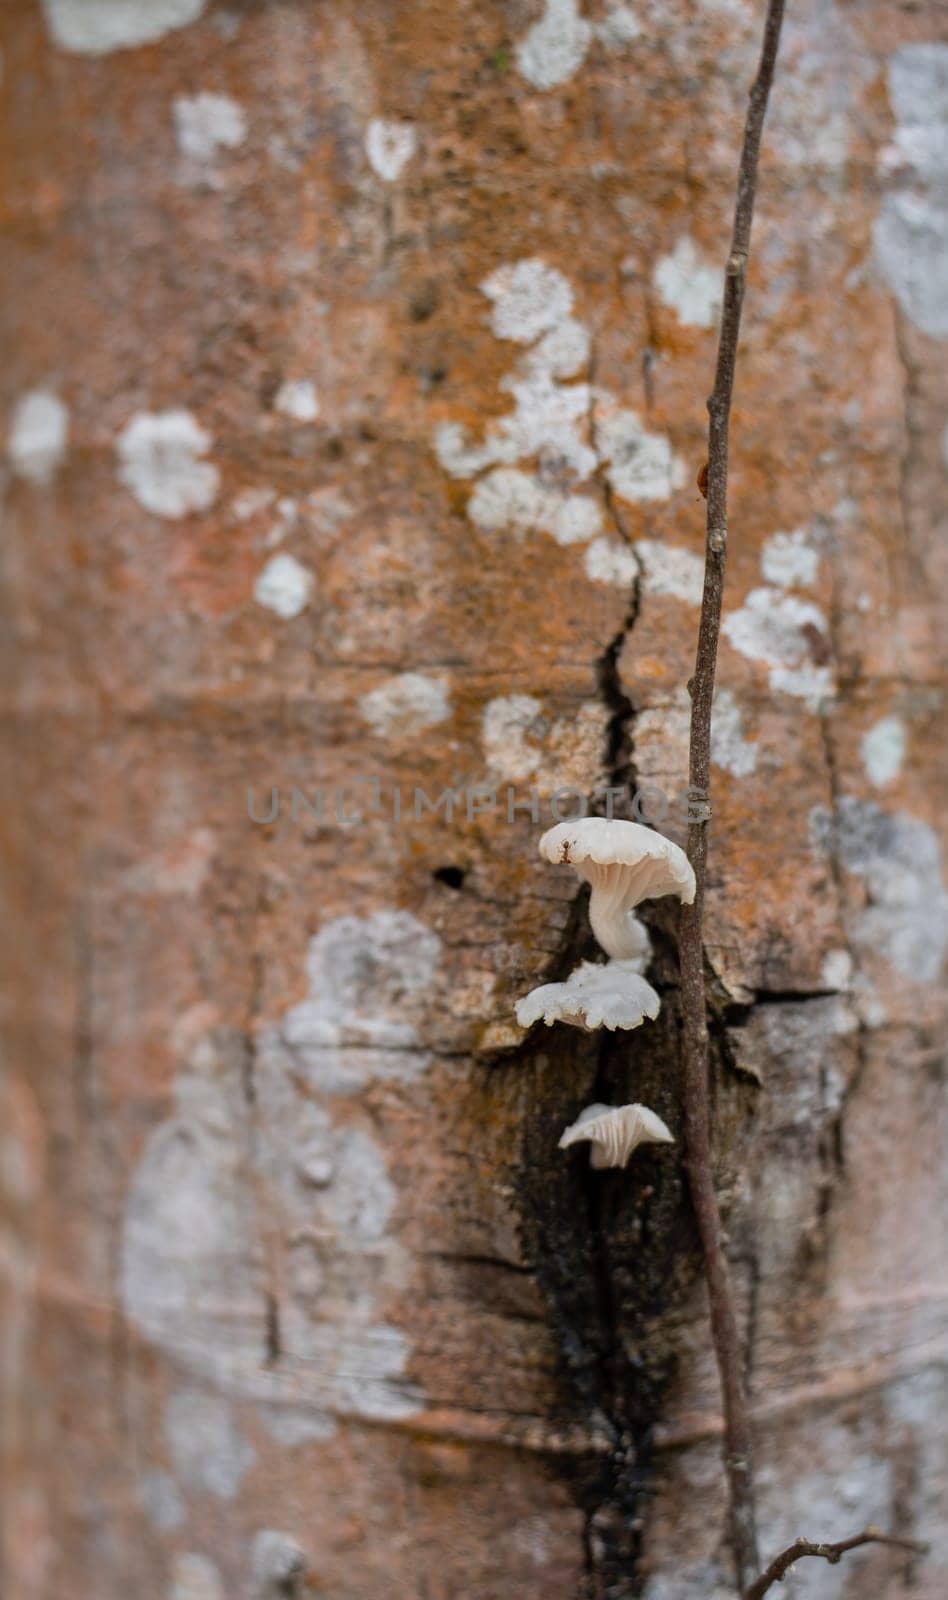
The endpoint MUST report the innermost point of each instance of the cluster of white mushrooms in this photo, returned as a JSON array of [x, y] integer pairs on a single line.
[[624, 864]]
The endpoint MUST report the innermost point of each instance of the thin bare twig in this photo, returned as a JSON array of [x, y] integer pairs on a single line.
[[697, 1118], [830, 1552]]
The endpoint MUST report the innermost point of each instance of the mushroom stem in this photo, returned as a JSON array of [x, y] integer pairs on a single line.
[[611, 905]]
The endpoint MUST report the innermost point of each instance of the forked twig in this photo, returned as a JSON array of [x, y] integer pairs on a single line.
[[698, 1161], [830, 1552]]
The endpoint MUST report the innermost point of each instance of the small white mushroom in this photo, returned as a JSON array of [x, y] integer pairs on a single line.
[[610, 996], [624, 863], [614, 1132]]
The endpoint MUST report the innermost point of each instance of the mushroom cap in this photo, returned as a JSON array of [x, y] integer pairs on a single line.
[[615, 1131], [590, 843], [610, 996]]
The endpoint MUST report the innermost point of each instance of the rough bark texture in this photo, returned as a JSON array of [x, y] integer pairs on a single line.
[[298, 1294]]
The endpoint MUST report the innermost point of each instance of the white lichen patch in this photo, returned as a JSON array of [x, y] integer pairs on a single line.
[[619, 26], [369, 978], [551, 425], [207, 123], [883, 751], [918, 92], [836, 971], [161, 1501], [555, 47], [911, 245], [898, 857], [290, 1425], [729, 748], [38, 437], [790, 560], [284, 586], [639, 465], [521, 741], [689, 285], [662, 569], [195, 1577], [297, 399], [277, 1564], [513, 730], [789, 637], [95, 27], [693, 1580], [389, 147], [911, 231], [407, 703], [669, 570], [661, 740], [661, 744], [208, 1452], [529, 298], [161, 463], [510, 501], [218, 1190], [608, 562]]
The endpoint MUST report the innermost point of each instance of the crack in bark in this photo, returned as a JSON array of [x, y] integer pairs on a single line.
[[612, 1253], [834, 1163], [97, 1127], [619, 750], [270, 1231]]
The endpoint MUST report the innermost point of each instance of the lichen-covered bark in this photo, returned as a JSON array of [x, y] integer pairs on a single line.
[[354, 396]]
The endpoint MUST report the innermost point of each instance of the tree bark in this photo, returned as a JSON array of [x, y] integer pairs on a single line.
[[354, 397]]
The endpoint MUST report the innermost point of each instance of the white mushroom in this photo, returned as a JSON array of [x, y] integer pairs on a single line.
[[610, 996], [614, 1132], [625, 863]]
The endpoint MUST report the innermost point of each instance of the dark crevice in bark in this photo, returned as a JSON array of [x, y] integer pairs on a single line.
[[618, 759], [613, 1252], [614, 1256], [834, 1144], [794, 997], [913, 557], [274, 1347], [271, 1337]]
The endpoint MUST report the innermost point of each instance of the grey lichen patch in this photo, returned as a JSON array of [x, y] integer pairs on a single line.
[[207, 1450], [97, 27], [911, 231], [38, 437], [195, 1577], [369, 981], [898, 857], [220, 1208], [278, 1565]]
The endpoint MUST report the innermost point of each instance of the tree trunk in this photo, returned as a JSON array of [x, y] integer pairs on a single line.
[[354, 401]]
